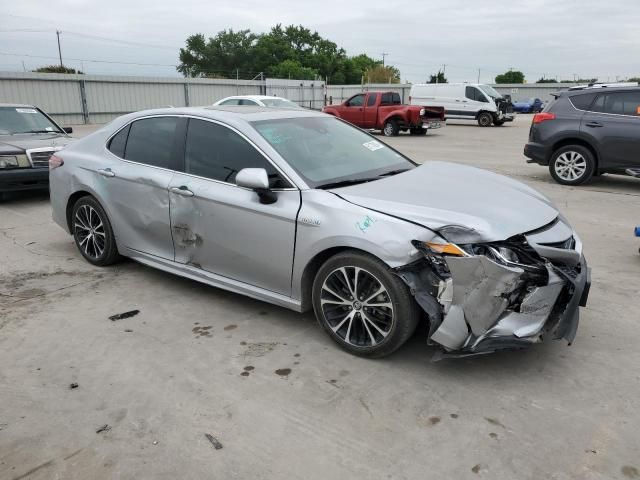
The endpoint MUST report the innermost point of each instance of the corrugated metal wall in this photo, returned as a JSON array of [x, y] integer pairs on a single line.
[[75, 99]]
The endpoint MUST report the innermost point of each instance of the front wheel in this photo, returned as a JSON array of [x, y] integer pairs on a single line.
[[391, 128], [485, 119], [572, 165], [92, 232], [363, 306]]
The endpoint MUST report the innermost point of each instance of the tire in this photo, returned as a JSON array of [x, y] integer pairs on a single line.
[[418, 131], [572, 165], [98, 246], [485, 119], [362, 325], [390, 128]]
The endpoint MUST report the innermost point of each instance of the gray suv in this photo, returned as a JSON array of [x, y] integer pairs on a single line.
[[587, 131]]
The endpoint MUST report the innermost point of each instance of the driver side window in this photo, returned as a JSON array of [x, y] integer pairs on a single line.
[[356, 101], [217, 152], [472, 93]]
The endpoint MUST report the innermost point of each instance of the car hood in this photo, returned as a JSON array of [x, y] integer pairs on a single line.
[[12, 143], [439, 194]]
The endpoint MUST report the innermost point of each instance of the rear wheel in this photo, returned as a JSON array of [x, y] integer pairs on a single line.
[[391, 128], [92, 232], [485, 119], [572, 165], [363, 307]]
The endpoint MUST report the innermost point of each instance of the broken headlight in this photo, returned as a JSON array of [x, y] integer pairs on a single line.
[[8, 161]]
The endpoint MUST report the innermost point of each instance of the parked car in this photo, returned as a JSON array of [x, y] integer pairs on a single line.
[[586, 132], [465, 101], [528, 105], [303, 210], [384, 111], [258, 100], [28, 137]]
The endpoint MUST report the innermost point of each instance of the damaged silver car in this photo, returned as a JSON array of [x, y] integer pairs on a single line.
[[303, 210]]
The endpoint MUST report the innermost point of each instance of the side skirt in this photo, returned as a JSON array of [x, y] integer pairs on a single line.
[[213, 280]]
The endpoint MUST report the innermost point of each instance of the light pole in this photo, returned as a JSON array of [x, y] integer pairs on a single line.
[[58, 32]]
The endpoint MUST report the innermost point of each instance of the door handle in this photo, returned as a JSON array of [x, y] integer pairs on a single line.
[[184, 191], [594, 124], [106, 172]]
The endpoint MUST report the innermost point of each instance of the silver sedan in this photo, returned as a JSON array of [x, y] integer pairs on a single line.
[[305, 211]]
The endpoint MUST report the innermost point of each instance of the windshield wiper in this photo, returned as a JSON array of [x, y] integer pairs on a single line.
[[394, 172], [345, 183], [40, 131]]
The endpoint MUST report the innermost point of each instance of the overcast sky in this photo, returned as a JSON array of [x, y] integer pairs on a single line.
[[555, 38]]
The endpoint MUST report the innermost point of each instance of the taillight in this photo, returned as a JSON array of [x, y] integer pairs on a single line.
[[55, 162], [543, 117]]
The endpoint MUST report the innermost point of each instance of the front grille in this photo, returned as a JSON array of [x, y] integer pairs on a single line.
[[40, 158]]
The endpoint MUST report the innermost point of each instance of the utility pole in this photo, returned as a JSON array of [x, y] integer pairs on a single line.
[[383, 55], [58, 32], [478, 75], [23, 66]]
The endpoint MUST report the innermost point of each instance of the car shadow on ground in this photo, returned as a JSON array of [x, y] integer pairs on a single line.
[[23, 197]]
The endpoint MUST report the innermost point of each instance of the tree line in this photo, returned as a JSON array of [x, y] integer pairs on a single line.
[[284, 52]]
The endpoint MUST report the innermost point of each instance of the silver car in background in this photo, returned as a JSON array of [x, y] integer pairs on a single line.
[[302, 210]]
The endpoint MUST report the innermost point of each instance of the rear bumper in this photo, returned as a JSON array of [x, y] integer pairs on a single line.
[[432, 124], [536, 153], [24, 179]]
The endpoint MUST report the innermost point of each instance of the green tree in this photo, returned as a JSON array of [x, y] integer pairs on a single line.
[[546, 80], [580, 80], [57, 69], [380, 74], [512, 76], [223, 55], [438, 78], [293, 69], [633, 79]]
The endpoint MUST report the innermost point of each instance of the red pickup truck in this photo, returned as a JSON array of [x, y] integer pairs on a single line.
[[384, 111]]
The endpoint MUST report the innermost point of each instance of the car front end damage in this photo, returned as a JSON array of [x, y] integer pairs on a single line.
[[482, 297]]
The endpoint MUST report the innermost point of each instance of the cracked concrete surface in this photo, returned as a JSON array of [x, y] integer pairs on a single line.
[[181, 367]]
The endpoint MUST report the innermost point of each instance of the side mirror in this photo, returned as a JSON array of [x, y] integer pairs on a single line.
[[67, 129], [257, 180]]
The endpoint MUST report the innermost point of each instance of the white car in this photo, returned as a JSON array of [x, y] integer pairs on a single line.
[[259, 101]]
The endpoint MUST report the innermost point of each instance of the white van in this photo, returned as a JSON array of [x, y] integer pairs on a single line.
[[465, 101]]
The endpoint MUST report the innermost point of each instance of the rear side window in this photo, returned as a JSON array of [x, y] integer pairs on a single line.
[[390, 99], [233, 101], [371, 99], [217, 152], [618, 103], [151, 141], [118, 142], [244, 101], [583, 102], [395, 98]]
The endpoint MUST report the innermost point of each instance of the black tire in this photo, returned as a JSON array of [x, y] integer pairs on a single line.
[[485, 119], [390, 128], [363, 339], [98, 246], [418, 131], [584, 165]]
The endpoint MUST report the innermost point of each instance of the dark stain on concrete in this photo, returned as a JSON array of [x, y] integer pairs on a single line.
[[230, 327], [283, 372], [630, 471]]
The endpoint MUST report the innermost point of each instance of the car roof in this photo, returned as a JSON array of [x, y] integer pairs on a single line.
[[571, 93], [254, 97], [16, 105], [229, 113]]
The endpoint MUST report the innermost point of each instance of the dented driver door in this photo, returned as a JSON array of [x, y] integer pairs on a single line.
[[225, 229]]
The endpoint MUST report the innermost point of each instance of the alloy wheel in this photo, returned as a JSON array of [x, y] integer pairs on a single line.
[[570, 166], [357, 306], [89, 231], [388, 129]]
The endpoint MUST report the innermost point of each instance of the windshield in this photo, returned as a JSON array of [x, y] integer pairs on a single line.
[[490, 91], [25, 120], [325, 150], [279, 102]]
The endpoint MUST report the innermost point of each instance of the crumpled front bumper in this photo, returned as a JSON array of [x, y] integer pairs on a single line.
[[484, 306]]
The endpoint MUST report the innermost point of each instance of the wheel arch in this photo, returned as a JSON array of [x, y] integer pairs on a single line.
[[394, 116], [71, 201]]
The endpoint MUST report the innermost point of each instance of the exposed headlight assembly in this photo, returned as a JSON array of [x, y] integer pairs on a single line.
[[422, 112], [8, 161]]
